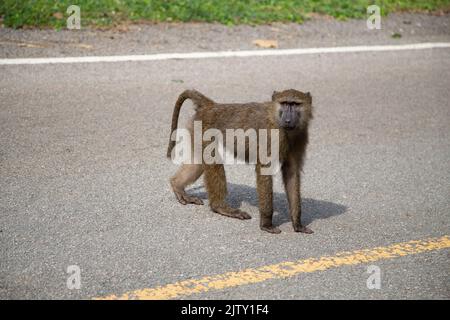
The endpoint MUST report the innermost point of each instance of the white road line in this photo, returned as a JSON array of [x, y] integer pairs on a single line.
[[226, 54]]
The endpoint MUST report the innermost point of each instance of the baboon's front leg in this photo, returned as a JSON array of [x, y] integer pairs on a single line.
[[216, 186], [291, 179], [264, 186]]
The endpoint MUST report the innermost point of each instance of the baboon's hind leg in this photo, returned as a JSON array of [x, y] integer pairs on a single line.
[[216, 186], [186, 175]]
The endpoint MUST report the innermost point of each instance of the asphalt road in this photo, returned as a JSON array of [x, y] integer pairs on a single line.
[[84, 178]]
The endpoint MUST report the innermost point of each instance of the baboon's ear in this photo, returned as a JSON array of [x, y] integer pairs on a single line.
[[274, 94], [308, 94]]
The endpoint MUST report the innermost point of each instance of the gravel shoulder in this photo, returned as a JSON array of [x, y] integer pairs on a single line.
[[165, 37]]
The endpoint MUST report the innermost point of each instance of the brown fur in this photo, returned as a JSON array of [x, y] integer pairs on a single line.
[[245, 116]]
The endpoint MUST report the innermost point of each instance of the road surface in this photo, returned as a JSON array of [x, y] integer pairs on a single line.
[[84, 179]]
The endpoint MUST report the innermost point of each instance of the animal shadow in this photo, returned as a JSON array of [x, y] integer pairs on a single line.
[[312, 209]]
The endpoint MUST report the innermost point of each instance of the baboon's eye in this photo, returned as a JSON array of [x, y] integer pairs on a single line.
[[280, 113], [299, 105]]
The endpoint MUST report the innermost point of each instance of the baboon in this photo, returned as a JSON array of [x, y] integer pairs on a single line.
[[289, 111]]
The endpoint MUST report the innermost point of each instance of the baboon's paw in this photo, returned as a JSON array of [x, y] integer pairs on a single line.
[[193, 200], [271, 229], [184, 199], [303, 229], [232, 213], [242, 215]]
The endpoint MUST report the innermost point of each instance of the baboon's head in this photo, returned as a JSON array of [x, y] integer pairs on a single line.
[[292, 108]]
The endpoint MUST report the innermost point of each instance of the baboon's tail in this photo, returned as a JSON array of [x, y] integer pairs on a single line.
[[199, 100]]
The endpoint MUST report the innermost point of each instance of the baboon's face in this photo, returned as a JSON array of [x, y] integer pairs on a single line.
[[289, 115], [293, 108]]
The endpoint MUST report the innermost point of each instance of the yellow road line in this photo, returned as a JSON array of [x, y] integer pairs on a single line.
[[284, 270]]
